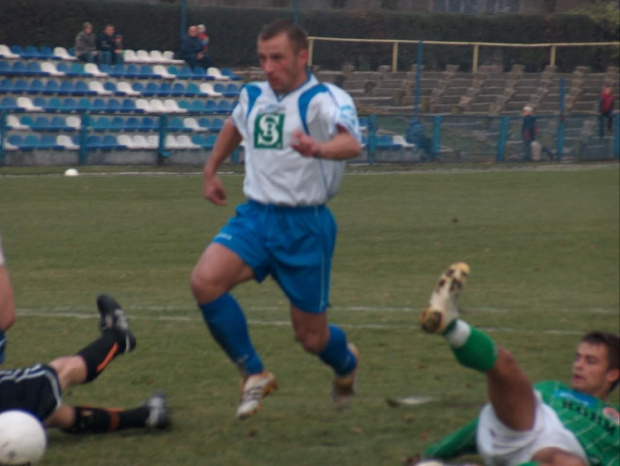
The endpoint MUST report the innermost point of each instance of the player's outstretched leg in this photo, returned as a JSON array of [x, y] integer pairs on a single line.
[[510, 392], [93, 420], [343, 386], [472, 348]]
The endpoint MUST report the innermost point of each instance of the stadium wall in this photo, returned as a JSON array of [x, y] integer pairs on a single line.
[[233, 32]]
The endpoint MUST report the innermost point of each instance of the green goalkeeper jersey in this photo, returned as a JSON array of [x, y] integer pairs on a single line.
[[596, 425]]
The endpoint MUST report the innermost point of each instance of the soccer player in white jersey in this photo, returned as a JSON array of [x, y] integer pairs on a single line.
[[547, 423], [7, 304], [298, 133]]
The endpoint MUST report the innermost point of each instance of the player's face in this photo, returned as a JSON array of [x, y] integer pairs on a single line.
[[284, 67], [591, 373]]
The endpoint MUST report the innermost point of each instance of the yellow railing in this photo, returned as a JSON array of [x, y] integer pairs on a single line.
[[553, 47]]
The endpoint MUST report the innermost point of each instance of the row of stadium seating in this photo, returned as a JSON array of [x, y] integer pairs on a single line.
[[144, 142], [103, 123], [47, 68], [60, 53], [69, 104], [122, 88]]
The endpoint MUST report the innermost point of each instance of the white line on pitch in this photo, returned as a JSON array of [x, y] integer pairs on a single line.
[[282, 323]]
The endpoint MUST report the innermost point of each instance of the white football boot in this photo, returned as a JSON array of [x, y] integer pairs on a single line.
[[343, 387], [442, 308], [253, 390]]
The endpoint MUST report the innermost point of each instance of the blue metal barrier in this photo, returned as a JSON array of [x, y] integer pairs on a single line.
[[84, 138], [2, 136], [372, 138], [436, 150], [163, 132]]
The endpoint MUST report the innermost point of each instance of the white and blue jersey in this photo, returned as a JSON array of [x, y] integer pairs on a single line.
[[275, 172], [285, 229]]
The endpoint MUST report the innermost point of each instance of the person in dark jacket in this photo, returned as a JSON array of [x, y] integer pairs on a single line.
[[110, 53], [85, 44], [192, 49]]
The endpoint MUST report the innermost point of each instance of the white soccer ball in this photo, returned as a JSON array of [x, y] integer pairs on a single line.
[[22, 438], [71, 172]]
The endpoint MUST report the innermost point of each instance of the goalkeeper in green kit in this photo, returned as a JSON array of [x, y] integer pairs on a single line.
[[548, 423]]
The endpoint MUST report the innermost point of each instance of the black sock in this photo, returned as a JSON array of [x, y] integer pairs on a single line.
[[100, 352], [101, 420]]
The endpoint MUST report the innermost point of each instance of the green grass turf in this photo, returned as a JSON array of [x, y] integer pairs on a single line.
[[542, 245]]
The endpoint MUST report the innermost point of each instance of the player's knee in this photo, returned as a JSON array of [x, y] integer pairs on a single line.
[[203, 289], [312, 342], [557, 457]]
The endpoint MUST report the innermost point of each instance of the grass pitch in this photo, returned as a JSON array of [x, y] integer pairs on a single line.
[[542, 245]]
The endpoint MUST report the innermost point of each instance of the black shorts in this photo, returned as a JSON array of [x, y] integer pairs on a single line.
[[34, 389]]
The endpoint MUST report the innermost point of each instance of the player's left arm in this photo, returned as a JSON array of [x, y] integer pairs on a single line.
[[7, 303], [341, 147]]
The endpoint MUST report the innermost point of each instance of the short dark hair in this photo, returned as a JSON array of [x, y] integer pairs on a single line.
[[611, 341], [295, 33]]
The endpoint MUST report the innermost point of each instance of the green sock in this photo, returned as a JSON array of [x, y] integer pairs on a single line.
[[472, 347]]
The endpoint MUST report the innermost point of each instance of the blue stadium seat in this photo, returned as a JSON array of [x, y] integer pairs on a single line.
[[110, 86], [9, 103], [58, 123], [40, 102], [105, 68], [109, 142], [210, 141], [224, 107], [46, 53], [117, 71], [93, 142], [184, 104], [132, 124], [49, 142], [17, 49], [185, 73], [197, 106], [151, 89], [113, 106], [36, 87], [26, 121], [165, 89], [219, 87], [210, 106], [217, 124], [53, 105], [138, 87], [41, 123], [199, 140], [385, 141], [84, 105], [6, 86], [5, 68], [192, 89], [178, 89], [99, 105], [230, 74], [148, 124], [176, 124], [363, 122], [81, 88], [129, 106], [20, 86], [199, 72], [77, 69], [63, 68], [132, 71], [15, 139], [66, 88], [31, 53], [146, 71], [117, 124], [101, 123], [51, 87], [233, 90], [69, 104], [205, 123], [19, 69]]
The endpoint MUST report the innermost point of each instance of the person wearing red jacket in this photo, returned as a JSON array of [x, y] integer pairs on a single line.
[[606, 107]]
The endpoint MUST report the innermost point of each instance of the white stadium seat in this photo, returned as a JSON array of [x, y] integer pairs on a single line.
[[143, 104], [163, 72], [129, 56], [98, 88], [126, 140], [63, 54], [125, 87], [142, 56], [13, 123], [139, 142], [26, 103], [5, 52], [94, 70], [168, 55], [192, 124], [207, 88], [66, 142], [152, 142], [217, 74], [50, 68], [184, 142], [171, 142], [399, 139], [74, 122], [171, 106], [157, 106], [157, 57]]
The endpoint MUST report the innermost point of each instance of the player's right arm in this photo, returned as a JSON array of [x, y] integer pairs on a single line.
[[226, 143]]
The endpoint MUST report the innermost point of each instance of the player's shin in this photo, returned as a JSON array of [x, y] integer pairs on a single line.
[[472, 347], [100, 420], [337, 354], [229, 328], [102, 351]]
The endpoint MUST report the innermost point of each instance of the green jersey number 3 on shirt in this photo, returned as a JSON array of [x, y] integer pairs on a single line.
[[268, 131]]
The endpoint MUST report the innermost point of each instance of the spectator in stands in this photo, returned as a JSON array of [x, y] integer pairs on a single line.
[[110, 47], [86, 44], [528, 132], [204, 40], [606, 107], [192, 49]]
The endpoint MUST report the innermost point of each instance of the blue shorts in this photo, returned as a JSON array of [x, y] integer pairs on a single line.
[[293, 244]]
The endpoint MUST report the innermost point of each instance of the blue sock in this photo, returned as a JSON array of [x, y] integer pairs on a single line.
[[228, 326], [2, 346], [336, 354]]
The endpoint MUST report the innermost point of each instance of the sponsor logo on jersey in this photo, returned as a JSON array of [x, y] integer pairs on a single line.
[[612, 414], [268, 131]]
